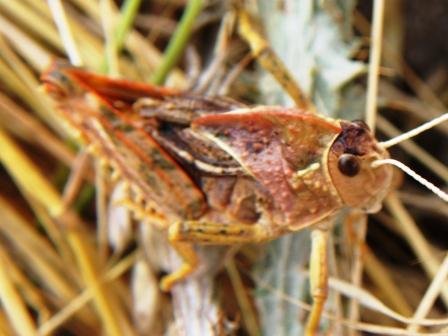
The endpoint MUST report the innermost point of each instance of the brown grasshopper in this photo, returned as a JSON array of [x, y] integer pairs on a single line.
[[216, 171]]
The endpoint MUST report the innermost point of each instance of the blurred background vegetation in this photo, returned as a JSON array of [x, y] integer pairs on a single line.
[[73, 263]]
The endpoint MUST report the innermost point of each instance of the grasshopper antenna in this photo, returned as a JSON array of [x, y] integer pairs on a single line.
[[436, 190], [405, 136]]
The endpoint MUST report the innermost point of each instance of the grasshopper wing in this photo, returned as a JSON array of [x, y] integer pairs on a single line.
[[101, 110], [68, 76]]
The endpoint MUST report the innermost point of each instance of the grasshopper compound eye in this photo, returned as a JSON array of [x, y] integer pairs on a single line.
[[348, 165]]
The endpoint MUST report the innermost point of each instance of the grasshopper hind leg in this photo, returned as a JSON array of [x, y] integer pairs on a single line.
[[183, 235], [190, 263]]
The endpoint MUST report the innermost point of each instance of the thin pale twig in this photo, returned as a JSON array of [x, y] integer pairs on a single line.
[[351, 291], [29, 128], [383, 280], [422, 90], [247, 311], [23, 15], [371, 110], [357, 269], [424, 202], [85, 296], [219, 53], [77, 175], [12, 302], [110, 64], [415, 239], [375, 58], [431, 295], [65, 31], [29, 179], [101, 209], [233, 74]]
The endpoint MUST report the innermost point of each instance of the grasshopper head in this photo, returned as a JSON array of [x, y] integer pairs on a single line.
[[350, 160]]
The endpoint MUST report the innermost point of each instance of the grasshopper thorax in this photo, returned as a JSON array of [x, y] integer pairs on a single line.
[[350, 160]]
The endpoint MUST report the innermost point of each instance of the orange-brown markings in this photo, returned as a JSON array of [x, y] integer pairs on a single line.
[[180, 185]]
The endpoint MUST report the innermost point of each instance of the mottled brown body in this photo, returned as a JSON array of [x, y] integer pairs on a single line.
[[216, 171], [215, 159], [297, 184]]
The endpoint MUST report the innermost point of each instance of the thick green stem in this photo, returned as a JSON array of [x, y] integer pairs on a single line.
[[178, 41], [129, 10]]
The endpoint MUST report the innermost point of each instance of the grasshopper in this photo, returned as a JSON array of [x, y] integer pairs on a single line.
[[212, 170]]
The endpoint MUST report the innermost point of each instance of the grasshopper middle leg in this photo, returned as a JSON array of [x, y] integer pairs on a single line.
[[182, 235], [318, 278]]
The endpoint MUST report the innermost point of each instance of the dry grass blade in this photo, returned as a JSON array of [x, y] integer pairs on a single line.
[[433, 204], [431, 295], [103, 298], [391, 53], [369, 301], [415, 238], [375, 60], [247, 311], [74, 182], [12, 301], [365, 298], [30, 49], [358, 263], [16, 120], [379, 274], [109, 28], [76, 303], [32, 297], [32, 98], [65, 31], [20, 80], [33, 21], [28, 178], [101, 208], [40, 257], [17, 65]]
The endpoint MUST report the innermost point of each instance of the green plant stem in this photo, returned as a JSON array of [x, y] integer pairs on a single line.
[[178, 41], [128, 10]]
